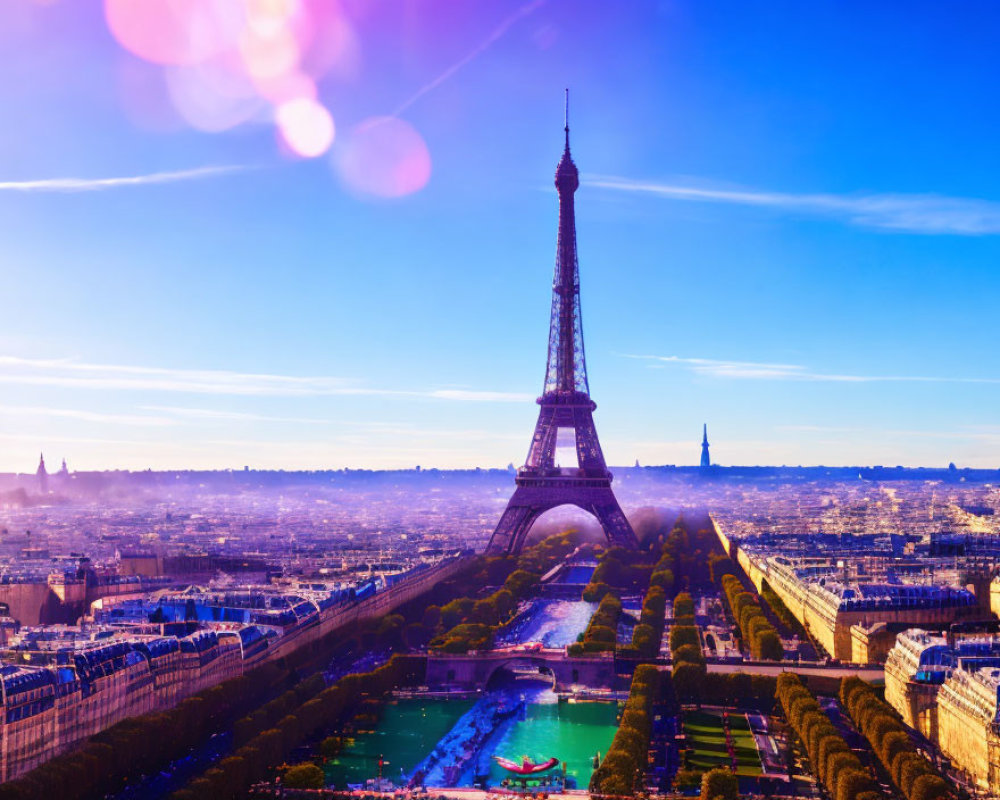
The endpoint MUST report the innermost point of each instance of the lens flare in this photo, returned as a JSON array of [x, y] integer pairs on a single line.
[[305, 126], [211, 97], [222, 63], [175, 32], [269, 17], [287, 87], [268, 57], [328, 43], [385, 157]]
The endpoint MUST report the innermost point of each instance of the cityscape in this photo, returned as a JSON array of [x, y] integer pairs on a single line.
[[226, 576]]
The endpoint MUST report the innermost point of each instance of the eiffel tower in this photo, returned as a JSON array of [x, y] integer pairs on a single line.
[[565, 420]]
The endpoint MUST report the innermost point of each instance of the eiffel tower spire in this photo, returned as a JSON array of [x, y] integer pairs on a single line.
[[565, 429], [566, 369]]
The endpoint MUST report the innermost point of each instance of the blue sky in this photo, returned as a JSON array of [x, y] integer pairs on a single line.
[[789, 228]]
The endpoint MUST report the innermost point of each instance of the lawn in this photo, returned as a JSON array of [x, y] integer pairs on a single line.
[[708, 743]]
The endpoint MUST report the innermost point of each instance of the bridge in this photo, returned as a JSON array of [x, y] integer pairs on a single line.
[[471, 671]]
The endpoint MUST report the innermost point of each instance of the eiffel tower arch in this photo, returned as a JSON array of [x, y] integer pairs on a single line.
[[565, 429]]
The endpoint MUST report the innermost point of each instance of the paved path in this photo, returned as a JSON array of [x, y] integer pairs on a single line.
[[865, 673]]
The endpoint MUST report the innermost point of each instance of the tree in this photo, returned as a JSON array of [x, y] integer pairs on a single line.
[[304, 776], [432, 616], [646, 640], [851, 783], [683, 605], [689, 680], [456, 611], [719, 783], [331, 746], [690, 653], [663, 578], [681, 635], [769, 645], [390, 631], [929, 787]]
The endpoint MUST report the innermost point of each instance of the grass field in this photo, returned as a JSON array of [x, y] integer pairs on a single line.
[[708, 741]]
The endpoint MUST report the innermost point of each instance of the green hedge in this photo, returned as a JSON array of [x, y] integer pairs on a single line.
[[602, 631], [471, 624], [623, 766], [648, 634], [756, 630], [270, 746], [832, 760], [913, 774]]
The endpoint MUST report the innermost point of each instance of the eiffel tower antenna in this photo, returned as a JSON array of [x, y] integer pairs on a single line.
[[565, 464], [566, 128]]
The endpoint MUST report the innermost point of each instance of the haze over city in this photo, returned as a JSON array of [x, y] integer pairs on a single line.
[[791, 242], [289, 508]]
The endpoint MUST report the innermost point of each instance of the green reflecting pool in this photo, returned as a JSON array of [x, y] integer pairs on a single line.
[[571, 732], [407, 732], [542, 728]]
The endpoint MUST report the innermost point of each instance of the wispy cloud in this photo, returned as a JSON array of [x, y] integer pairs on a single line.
[[526, 10], [480, 396], [754, 370], [222, 415], [911, 213], [67, 185], [15, 370], [138, 420], [982, 434]]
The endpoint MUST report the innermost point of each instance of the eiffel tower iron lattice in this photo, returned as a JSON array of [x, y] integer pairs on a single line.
[[565, 419]]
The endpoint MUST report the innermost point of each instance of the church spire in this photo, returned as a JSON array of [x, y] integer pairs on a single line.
[[42, 475]]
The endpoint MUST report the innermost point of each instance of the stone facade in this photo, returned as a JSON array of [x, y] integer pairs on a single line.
[[948, 691], [48, 710], [967, 727], [829, 609]]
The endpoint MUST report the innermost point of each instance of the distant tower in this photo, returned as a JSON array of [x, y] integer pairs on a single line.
[[63, 470], [42, 475], [565, 429], [706, 462]]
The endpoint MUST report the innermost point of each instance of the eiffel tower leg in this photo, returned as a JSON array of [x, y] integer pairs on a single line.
[[512, 528], [616, 526]]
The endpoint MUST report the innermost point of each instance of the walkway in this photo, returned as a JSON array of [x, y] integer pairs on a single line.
[[870, 674]]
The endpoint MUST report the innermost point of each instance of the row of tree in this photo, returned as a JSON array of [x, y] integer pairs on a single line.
[[623, 767], [469, 623], [139, 745], [268, 715], [646, 636], [756, 630], [620, 571], [686, 551], [689, 668], [253, 761], [719, 564], [833, 762], [682, 546], [781, 611], [602, 630], [913, 774]]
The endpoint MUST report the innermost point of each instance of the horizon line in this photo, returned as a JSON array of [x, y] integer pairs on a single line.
[[421, 468]]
